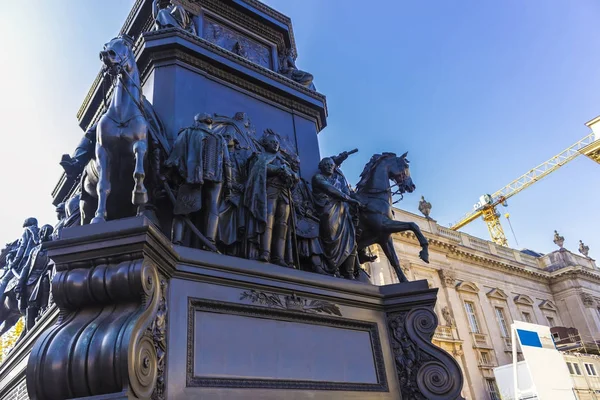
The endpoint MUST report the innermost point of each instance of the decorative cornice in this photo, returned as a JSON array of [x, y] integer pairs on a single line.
[[576, 272], [462, 253]]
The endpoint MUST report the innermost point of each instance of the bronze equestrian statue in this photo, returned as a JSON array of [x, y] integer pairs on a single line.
[[376, 221], [121, 142]]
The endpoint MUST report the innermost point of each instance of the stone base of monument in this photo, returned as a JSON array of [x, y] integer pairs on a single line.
[[143, 319]]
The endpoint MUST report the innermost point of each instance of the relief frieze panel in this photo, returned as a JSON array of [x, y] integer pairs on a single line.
[[236, 42]]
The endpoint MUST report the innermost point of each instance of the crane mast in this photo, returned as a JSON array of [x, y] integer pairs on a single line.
[[486, 207]]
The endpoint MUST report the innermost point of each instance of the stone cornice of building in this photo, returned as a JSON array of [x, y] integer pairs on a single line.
[[574, 272], [460, 252], [464, 253]]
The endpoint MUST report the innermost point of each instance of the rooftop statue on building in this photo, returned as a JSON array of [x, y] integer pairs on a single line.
[[583, 249], [425, 207], [558, 240]]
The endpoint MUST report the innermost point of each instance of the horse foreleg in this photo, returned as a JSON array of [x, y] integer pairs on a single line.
[[392, 226], [389, 251], [103, 187], [139, 196], [87, 209]]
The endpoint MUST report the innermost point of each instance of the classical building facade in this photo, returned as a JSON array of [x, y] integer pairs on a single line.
[[484, 287]]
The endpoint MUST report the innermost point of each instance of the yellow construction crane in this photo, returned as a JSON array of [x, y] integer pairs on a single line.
[[486, 206]]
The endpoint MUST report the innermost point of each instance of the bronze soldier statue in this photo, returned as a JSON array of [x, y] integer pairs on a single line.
[[267, 198], [33, 287], [201, 158], [333, 199], [17, 259], [310, 249], [61, 215], [231, 211]]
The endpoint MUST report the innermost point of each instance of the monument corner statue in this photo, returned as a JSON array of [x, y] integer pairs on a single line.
[[288, 68], [170, 14]]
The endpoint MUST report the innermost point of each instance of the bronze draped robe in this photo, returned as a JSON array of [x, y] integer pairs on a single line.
[[336, 227], [255, 194]]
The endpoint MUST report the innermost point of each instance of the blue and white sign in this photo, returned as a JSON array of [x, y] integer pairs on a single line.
[[547, 367]]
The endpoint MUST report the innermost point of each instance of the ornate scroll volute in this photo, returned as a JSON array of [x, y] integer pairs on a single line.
[[105, 339], [425, 371]]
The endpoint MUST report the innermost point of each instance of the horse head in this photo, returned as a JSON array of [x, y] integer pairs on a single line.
[[399, 172], [117, 55]]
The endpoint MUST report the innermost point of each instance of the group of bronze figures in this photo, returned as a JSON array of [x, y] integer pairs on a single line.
[[217, 186], [27, 271]]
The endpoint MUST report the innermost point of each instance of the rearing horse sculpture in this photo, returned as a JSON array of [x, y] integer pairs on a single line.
[[377, 222], [121, 142]]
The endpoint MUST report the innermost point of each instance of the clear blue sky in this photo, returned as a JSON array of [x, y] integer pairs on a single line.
[[478, 92]]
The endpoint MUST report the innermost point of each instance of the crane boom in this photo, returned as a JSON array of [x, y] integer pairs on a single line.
[[526, 180]]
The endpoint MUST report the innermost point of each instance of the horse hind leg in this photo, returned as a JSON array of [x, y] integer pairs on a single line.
[[103, 188], [139, 196], [390, 253]]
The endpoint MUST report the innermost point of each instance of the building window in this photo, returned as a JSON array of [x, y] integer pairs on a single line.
[[492, 389], [551, 322], [556, 337], [502, 321], [589, 369], [484, 358], [526, 316], [470, 309], [574, 368]]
